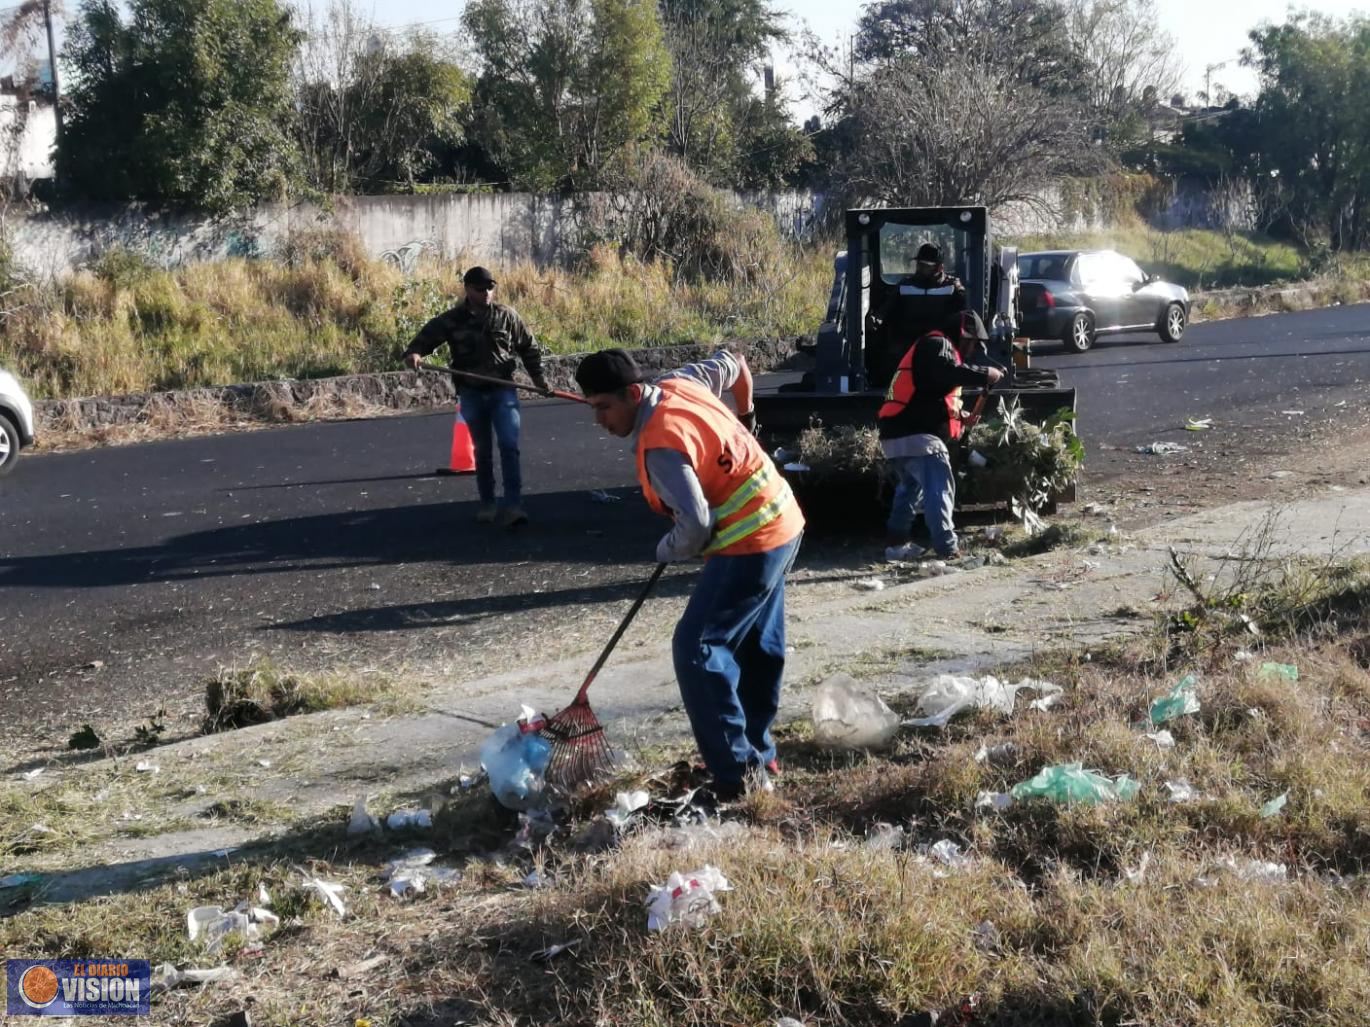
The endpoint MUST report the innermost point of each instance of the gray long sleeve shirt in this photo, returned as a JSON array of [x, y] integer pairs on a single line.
[[669, 471]]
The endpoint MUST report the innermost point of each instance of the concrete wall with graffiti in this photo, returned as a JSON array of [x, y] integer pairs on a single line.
[[492, 228]]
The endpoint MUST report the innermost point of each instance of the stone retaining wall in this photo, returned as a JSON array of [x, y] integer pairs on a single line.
[[349, 395]]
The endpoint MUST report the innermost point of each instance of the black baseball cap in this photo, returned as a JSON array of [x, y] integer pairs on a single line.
[[479, 277], [929, 252], [967, 325], [609, 370]]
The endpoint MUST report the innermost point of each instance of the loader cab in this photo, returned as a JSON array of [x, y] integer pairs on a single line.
[[881, 306]]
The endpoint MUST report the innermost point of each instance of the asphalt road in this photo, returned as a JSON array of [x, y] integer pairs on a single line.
[[161, 561]]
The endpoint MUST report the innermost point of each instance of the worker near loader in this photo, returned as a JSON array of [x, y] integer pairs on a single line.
[[700, 465], [487, 338], [920, 422], [920, 304]]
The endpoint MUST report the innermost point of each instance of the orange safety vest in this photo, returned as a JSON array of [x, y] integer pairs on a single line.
[[753, 509], [902, 389]]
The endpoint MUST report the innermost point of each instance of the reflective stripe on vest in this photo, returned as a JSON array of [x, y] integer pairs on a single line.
[[917, 290], [755, 521]]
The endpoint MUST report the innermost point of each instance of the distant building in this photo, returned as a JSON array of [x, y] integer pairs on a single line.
[[28, 131]]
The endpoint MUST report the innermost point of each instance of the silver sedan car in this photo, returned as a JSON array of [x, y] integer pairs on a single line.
[[1078, 295], [16, 421]]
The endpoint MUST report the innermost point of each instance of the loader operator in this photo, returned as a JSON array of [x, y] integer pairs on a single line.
[[919, 422], [699, 464], [917, 306]]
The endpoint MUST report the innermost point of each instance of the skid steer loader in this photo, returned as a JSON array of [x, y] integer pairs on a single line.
[[856, 350]]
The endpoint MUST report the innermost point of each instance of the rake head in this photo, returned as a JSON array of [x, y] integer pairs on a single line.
[[580, 752]]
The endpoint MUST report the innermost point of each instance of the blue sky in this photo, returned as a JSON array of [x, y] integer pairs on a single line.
[[1206, 31]]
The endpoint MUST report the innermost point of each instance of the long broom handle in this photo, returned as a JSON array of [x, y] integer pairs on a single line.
[[550, 393], [623, 626]]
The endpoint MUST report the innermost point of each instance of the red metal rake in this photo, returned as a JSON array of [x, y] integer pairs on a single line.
[[580, 752]]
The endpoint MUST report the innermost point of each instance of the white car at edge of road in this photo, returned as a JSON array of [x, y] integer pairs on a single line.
[[16, 422]]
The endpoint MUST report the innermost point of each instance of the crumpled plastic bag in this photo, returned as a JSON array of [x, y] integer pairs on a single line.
[[686, 899], [626, 805], [211, 926], [1287, 671], [848, 716], [1070, 782], [515, 758], [948, 695], [1181, 700]]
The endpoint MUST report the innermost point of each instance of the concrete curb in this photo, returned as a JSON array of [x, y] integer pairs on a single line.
[[282, 402]]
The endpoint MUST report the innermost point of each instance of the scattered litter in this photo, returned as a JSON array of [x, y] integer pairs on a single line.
[[1162, 448], [1181, 791], [797, 467], [1164, 739], [978, 459], [263, 896], [1070, 782], [600, 496], [994, 533], [94, 665], [144, 767], [373, 587], [264, 763], [788, 1021], [1178, 702], [409, 820], [909, 552], [869, 584], [1138, 875], [1278, 475], [883, 837], [362, 822], [1198, 423], [1279, 670], [211, 926], [949, 854], [1292, 413], [1045, 703], [1094, 509], [847, 716], [1254, 870], [165, 976], [411, 873], [1005, 754], [626, 804], [328, 892], [933, 569], [32, 775], [552, 951], [515, 757], [44, 829], [686, 899], [1242, 656], [1273, 807], [533, 880], [19, 880], [997, 801], [948, 695], [985, 936], [535, 827]]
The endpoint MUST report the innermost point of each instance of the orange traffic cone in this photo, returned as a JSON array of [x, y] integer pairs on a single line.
[[463, 458]]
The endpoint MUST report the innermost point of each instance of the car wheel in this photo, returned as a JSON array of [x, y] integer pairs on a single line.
[[9, 444], [1173, 323], [1080, 335]]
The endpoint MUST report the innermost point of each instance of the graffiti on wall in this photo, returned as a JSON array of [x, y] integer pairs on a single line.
[[406, 258]]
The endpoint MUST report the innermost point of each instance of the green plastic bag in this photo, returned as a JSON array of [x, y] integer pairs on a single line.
[[1273, 807], [1070, 782], [1179, 701], [1280, 670]]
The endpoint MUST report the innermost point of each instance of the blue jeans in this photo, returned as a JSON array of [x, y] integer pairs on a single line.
[[494, 412], [729, 653], [924, 481]]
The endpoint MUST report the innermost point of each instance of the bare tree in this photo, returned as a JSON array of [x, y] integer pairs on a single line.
[[953, 130], [1129, 60]]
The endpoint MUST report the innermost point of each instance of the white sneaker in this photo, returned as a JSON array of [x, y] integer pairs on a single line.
[[907, 553]]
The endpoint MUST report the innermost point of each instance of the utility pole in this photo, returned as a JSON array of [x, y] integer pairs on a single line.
[[52, 66]]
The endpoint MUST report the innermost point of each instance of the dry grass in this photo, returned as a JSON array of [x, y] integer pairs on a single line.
[[325, 309], [239, 697]]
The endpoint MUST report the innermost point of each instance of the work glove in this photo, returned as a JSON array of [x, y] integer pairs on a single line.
[[749, 421]]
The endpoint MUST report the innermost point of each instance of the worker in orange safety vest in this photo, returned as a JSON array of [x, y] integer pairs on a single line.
[[699, 464]]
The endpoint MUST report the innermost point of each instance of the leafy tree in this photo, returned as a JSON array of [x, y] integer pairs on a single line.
[[187, 103], [566, 86], [371, 111], [1312, 142]]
